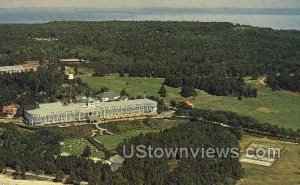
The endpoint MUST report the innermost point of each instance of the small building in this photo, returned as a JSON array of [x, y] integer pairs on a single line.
[[45, 39], [73, 61], [188, 104], [10, 108], [108, 96], [12, 69], [116, 162], [28, 66], [71, 76]]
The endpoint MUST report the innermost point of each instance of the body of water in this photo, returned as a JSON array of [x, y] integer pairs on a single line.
[[273, 18]]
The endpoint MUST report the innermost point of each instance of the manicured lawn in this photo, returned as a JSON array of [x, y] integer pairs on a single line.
[[75, 146], [111, 142], [284, 171], [275, 107]]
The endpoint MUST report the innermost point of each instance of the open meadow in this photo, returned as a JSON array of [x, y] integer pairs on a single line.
[[135, 86], [75, 146], [275, 107]]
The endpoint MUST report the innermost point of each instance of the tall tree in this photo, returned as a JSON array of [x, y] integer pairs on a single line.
[[87, 152], [162, 91], [188, 91], [76, 69]]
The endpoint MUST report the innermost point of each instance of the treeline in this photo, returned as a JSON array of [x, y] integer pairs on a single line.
[[40, 152], [28, 151], [217, 53], [183, 170], [82, 169], [215, 85], [284, 82], [234, 120], [28, 87]]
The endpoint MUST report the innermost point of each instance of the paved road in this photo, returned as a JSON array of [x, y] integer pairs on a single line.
[[8, 120]]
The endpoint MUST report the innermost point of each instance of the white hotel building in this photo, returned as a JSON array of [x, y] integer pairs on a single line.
[[90, 111]]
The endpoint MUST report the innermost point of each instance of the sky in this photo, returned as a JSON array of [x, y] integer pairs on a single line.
[[150, 3]]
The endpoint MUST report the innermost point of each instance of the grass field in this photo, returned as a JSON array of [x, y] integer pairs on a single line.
[[75, 146], [134, 86], [275, 107], [285, 171], [111, 142]]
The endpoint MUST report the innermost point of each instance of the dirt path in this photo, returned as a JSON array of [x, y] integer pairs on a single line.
[[7, 180], [101, 130], [33, 174], [262, 80]]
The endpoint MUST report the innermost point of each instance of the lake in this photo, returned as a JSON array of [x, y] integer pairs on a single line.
[[273, 18]]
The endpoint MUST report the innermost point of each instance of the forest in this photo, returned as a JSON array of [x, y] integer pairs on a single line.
[[212, 56], [186, 170], [47, 84], [39, 152], [284, 82]]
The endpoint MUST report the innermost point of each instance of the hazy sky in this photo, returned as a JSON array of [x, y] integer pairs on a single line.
[[151, 3]]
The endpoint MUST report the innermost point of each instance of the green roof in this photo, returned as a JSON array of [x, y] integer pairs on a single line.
[[48, 108]]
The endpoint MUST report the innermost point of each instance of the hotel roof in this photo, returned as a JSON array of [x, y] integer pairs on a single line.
[[59, 107]]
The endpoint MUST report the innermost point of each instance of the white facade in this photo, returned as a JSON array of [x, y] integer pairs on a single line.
[[77, 112]]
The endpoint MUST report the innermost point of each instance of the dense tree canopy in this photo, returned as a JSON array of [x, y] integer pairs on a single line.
[[47, 84], [188, 91], [39, 152], [186, 170], [284, 81], [214, 55]]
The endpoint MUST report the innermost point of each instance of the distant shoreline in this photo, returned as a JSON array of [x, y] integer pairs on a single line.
[[275, 18]]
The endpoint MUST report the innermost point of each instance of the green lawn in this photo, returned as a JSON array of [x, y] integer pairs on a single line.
[[111, 142], [75, 146], [279, 107], [275, 107], [284, 171], [134, 86]]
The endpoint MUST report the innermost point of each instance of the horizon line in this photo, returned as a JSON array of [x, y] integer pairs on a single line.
[[126, 8]]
